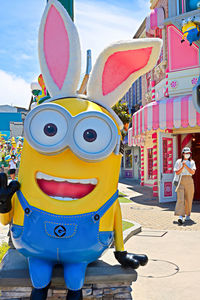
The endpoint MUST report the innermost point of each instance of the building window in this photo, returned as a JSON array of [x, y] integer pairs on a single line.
[[186, 6], [150, 163], [137, 92], [128, 159], [148, 79], [191, 5], [167, 155]]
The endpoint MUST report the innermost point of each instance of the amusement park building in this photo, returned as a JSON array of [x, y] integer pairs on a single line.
[[167, 120], [11, 118]]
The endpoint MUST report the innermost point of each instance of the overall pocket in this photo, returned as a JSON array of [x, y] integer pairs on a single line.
[[16, 231], [60, 230], [106, 237]]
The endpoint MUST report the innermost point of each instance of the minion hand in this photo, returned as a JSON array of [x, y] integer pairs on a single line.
[[131, 260], [6, 193]]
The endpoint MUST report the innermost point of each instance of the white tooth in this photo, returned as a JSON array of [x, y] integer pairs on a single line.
[[58, 179], [93, 181], [72, 180], [41, 175], [63, 198], [84, 181], [47, 177]]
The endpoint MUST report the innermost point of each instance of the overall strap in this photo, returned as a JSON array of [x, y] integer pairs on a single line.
[[25, 205], [102, 210]]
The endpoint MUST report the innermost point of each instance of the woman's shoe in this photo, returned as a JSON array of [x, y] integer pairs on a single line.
[[187, 218], [180, 220]]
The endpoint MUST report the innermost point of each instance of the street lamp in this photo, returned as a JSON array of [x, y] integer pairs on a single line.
[[69, 6]]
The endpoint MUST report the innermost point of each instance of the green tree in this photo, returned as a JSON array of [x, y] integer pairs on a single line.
[[121, 109]]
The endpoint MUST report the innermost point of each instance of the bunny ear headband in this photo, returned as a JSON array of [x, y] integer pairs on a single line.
[[115, 70]]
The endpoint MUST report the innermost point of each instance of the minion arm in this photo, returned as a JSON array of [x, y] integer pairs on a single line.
[[119, 244]]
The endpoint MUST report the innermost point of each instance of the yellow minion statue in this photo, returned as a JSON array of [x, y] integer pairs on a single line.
[[66, 209]]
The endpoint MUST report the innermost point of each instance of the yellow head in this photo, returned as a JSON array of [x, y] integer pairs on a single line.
[[80, 185]]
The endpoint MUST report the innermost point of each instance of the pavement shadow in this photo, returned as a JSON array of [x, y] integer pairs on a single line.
[[185, 224], [145, 196]]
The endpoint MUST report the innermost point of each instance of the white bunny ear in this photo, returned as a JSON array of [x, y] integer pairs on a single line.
[[59, 51], [119, 65]]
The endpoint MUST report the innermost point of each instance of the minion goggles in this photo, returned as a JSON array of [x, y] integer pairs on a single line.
[[92, 136]]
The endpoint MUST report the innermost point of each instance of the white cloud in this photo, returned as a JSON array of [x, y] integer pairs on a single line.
[[14, 90], [100, 24]]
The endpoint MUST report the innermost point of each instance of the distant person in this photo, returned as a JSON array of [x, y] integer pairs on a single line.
[[12, 167], [184, 169], [3, 164]]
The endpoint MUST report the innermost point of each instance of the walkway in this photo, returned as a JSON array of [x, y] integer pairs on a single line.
[[146, 210]]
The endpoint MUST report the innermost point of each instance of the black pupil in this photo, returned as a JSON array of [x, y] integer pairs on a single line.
[[90, 135], [50, 129]]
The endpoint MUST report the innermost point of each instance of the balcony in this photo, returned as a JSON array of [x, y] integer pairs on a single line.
[[179, 83], [182, 82]]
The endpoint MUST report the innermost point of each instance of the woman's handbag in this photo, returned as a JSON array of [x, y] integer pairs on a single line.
[[176, 180]]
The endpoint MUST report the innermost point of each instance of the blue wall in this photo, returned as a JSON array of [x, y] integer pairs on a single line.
[[6, 118], [192, 4]]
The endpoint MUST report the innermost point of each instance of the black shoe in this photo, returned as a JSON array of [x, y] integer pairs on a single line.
[[74, 295], [142, 258], [180, 221], [39, 294]]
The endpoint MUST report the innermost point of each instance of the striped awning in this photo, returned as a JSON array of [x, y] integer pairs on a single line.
[[166, 114], [155, 19]]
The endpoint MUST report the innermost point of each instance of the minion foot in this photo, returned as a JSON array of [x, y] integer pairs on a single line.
[[74, 295]]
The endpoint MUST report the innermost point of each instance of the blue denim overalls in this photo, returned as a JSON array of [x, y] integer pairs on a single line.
[[47, 239]]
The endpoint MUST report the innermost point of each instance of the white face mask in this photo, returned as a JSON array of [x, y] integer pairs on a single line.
[[187, 156]]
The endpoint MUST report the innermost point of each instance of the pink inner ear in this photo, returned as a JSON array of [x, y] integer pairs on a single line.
[[120, 65], [56, 46]]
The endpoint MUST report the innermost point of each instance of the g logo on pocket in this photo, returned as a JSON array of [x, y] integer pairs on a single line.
[[60, 231]]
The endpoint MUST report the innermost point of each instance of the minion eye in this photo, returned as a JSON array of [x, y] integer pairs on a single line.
[[46, 128], [92, 135], [50, 129]]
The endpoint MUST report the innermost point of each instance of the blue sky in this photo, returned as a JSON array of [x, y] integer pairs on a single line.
[[99, 22]]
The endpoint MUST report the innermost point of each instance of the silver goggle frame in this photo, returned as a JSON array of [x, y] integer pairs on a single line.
[[68, 141]]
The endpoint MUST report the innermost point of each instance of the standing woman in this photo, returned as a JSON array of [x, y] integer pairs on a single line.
[[13, 167], [185, 168]]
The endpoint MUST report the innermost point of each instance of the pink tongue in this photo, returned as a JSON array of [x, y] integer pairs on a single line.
[[65, 189]]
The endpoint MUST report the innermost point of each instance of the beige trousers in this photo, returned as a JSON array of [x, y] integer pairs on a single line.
[[185, 195]]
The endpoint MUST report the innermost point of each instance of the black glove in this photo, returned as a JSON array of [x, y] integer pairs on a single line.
[[131, 260], [6, 193]]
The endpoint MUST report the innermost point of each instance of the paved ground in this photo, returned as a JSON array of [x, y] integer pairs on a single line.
[[173, 271], [146, 210]]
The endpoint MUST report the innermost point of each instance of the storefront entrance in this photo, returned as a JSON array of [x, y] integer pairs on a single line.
[[196, 158], [167, 150]]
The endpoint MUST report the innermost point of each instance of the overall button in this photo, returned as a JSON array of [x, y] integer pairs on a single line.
[[27, 211], [96, 217], [60, 231]]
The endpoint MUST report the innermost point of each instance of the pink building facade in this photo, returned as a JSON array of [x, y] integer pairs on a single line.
[[168, 121]]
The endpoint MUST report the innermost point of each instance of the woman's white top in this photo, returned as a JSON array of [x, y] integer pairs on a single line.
[[12, 164], [190, 164]]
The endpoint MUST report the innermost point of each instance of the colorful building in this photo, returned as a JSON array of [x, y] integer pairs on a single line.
[[10, 117], [168, 120]]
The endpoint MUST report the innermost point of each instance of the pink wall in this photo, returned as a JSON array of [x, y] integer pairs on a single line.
[[180, 56]]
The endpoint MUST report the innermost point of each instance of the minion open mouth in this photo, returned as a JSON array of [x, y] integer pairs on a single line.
[[65, 189]]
